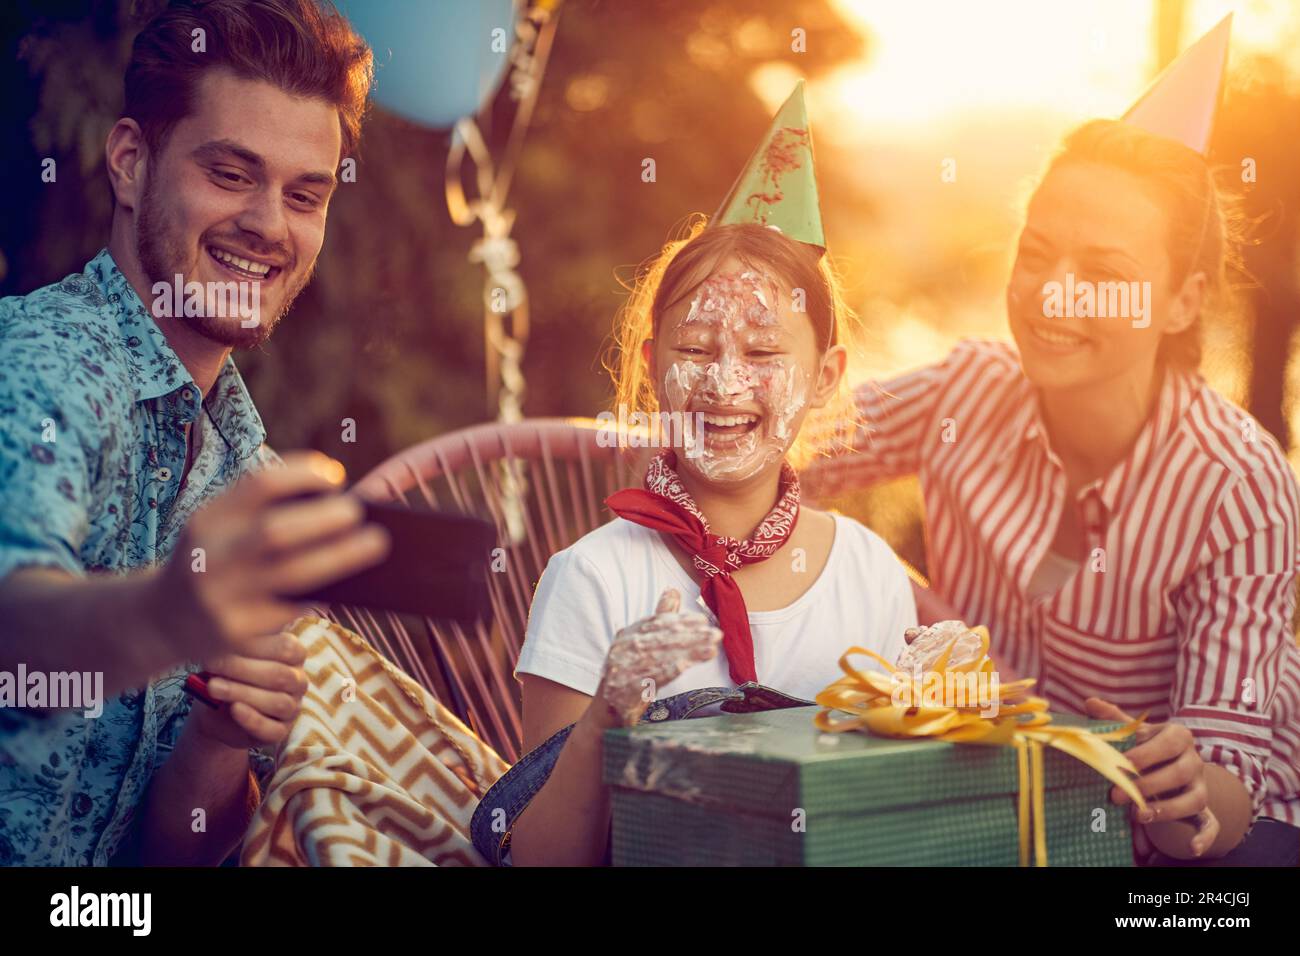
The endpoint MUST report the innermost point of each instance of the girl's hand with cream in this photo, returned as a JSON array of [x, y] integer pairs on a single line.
[[652, 652]]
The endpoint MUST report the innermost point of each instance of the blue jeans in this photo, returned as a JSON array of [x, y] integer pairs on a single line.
[[496, 813]]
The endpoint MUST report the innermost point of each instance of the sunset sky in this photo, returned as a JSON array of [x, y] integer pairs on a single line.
[[931, 61]]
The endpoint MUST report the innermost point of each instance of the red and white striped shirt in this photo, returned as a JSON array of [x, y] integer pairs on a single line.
[[1184, 606]]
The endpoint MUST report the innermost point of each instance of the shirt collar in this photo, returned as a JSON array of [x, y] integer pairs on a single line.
[[155, 368], [158, 372], [234, 413], [1024, 424], [1178, 390]]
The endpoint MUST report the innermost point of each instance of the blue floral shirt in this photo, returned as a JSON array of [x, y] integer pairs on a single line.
[[93, 408]]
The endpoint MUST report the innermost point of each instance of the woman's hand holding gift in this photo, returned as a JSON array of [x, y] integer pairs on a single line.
[[1178, 820], [1181, 789], [653, 652]]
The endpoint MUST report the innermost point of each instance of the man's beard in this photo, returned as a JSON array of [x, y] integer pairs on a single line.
[[160, 257]]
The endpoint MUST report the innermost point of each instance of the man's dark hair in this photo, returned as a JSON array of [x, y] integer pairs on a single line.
[[304, 47]]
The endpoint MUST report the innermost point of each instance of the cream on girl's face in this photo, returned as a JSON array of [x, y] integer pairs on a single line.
[[735, 351]]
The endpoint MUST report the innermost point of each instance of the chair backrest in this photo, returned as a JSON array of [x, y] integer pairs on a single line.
[[542, 482]]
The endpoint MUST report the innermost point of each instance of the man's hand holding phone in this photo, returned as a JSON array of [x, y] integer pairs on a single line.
[[279, 531], [220, 601]]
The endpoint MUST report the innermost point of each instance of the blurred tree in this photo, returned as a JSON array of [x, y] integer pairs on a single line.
[[1254, 143], [63, 62]]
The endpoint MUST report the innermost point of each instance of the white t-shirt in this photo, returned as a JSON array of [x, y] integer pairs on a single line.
[[613, 577]]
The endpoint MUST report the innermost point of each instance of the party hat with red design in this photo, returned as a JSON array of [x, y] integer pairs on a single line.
[[1181, 102], [777, 186]]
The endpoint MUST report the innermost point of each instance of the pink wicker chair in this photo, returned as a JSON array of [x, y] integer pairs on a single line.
[[561, 476]]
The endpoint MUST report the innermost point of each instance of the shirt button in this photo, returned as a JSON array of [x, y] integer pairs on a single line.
[[163, 474]]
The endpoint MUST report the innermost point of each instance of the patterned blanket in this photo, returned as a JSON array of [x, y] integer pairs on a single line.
[[375, 772]]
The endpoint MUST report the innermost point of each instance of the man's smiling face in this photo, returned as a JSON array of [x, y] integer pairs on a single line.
[[239, 193]]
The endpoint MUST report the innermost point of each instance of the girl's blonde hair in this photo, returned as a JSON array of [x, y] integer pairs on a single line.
[[683, 264]]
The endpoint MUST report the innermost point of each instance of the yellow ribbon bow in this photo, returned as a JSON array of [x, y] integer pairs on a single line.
[[897, 704]]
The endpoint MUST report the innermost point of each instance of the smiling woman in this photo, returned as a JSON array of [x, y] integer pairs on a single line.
[[1123, 530], [1170, 230]]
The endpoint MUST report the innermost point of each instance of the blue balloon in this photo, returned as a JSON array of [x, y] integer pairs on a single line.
[[435, 60]]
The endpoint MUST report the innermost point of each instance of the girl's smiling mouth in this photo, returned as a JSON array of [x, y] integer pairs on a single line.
[[720, 428]]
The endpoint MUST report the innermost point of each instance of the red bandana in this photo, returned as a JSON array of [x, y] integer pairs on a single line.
[[667, 506]]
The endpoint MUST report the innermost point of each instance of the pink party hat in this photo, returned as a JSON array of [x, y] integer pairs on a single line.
[[1181, 102]]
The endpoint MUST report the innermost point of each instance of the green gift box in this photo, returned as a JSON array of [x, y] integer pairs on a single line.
[[770, 789]]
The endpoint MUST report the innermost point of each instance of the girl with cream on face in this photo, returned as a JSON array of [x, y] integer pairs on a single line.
[[737, 359], [715, 574]]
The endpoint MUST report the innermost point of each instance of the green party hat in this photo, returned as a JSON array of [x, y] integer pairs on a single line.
[[777, 186]]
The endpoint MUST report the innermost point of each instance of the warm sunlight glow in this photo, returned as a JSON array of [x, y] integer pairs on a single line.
[[931, 64]]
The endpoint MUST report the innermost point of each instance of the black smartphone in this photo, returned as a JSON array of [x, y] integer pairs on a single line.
[[437, 567]]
